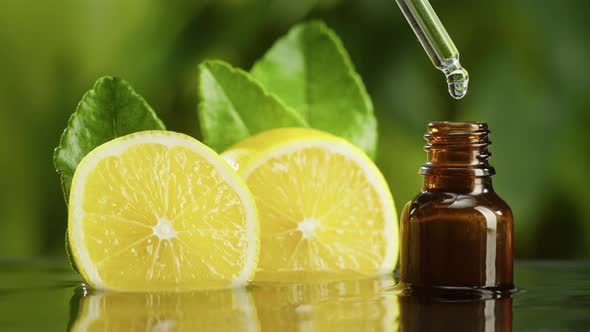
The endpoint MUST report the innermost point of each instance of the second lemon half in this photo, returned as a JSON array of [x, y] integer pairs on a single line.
[[324, 207]]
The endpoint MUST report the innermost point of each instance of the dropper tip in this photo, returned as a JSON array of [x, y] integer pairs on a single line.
[[458, 81]]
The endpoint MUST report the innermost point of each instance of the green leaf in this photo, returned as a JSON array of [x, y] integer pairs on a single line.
[[312, 72], [234, 106], [111, 109], [69, 254]]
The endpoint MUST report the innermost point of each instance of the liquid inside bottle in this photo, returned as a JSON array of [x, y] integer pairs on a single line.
[[457, 234]]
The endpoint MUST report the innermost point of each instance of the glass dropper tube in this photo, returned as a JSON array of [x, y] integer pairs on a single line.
[[437, 44]]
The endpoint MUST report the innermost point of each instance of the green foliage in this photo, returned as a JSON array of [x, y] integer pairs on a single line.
[[234, 106], [538, 115], [109, 110], [305, 80], [69, 253], [311, 71]]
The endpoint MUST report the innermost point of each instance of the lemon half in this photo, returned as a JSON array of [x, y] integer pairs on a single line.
[[325, 209], [160, 211]]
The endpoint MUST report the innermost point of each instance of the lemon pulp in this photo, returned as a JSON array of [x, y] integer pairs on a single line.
[[160, 211], [324, 207]]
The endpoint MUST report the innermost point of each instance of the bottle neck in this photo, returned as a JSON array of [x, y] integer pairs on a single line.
[[457, 158], [458, 184]]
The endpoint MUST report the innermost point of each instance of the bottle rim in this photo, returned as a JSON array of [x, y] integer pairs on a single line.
[[468, 137]]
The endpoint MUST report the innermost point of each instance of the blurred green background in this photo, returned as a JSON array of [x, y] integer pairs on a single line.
[[528, 81]]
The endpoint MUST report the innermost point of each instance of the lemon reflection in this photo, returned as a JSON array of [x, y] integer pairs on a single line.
[[353, 305], [221, 310]]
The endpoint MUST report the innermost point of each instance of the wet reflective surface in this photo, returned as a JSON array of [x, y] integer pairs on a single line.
[[44, 295]]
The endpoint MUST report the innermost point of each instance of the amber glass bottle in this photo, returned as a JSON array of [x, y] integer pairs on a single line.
[[457, 233]]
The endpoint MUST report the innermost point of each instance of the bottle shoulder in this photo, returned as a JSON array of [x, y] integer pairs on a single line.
[[427, 202]]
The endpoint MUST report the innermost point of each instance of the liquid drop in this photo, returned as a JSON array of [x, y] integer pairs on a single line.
[[458, 81]]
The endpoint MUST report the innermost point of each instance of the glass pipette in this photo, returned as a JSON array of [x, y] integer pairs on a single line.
[[437, 43]]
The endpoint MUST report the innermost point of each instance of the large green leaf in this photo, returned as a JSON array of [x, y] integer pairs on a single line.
[[111, 109], [312, 72], [234, 106]]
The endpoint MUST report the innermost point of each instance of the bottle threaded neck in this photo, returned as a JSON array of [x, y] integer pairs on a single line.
[[457, 149]]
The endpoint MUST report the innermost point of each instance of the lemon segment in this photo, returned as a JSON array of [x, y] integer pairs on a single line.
[[324, 207], [158, 210]]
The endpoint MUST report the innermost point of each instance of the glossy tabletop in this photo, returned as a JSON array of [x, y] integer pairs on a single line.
[[45, 295]]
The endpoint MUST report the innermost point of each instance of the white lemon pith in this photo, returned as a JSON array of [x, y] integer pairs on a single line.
[[323, 205], [159, 210]]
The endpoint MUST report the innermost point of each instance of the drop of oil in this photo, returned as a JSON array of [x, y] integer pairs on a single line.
[[458, 80]]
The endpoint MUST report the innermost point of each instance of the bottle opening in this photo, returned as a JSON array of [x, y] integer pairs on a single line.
[[457, 148], [457, 128]]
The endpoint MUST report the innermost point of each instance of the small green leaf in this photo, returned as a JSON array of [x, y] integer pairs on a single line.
[[111, 109], [69, 254], [312, 72], [234, 106]]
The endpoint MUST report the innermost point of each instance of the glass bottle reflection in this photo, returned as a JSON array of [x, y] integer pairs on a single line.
[[419, 313]]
